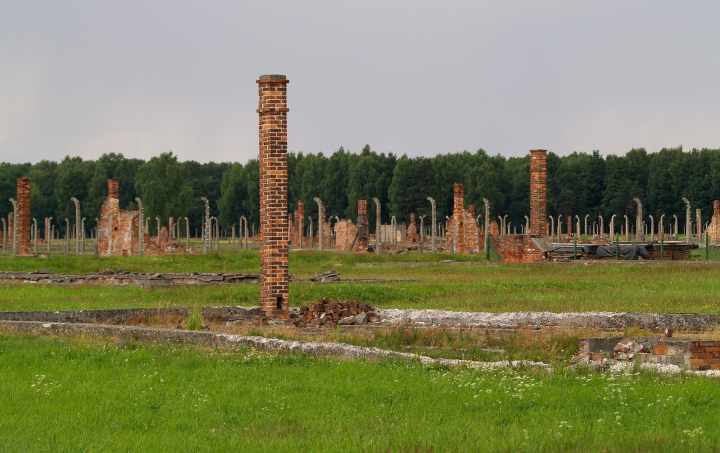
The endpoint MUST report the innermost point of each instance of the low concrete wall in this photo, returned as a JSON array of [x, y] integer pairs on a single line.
[[129, 315], [127, 278], [212, 339], [595, 320]]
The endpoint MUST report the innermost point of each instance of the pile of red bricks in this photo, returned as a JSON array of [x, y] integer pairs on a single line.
[[331, 313]]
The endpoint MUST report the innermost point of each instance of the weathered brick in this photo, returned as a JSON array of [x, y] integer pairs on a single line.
[[538, 192], [274, 277], [23, 201]]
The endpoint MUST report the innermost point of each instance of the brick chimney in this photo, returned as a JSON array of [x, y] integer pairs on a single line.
[[23, 201], [458, 218], [274, 276], [538, 192], [114, 189], [362, 225]]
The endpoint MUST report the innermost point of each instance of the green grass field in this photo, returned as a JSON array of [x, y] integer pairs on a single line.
[[86, 395], [494, 288]]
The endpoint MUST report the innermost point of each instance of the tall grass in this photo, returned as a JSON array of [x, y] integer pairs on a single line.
[[496, 288], [86, 395]]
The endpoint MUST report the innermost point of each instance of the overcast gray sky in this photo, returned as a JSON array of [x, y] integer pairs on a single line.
[[422, 78]]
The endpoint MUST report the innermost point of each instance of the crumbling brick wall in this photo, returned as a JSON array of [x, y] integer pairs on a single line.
[[538, 192], [466, 228], [714, 227], [519, 248], [345, 235], [274, 275], [118, 231], [23, 201]]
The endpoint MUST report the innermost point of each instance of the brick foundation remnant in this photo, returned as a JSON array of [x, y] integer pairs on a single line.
[[538, 192], [23, 201], [519, 248], [687, 353], [274, 275]]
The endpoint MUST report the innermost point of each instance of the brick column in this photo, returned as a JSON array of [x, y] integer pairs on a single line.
[[362, 226], [538, 192], [459, 218], [569, 225], [171, 228], [23, 201], [114, 189], [715, 223], [274, 276]]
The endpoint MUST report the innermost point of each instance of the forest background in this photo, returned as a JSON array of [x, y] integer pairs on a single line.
[[578, 184]]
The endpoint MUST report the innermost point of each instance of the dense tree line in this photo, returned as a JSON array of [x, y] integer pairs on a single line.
[[578, 184]]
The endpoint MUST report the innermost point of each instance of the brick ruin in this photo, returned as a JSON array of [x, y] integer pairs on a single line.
[[274, 248], [523, 248], [412, 233], [362, 226], [714, 226], [345, 233], [538, 192], [299, 225], [462, 223], [684, 352], [118, 230], [23, 201], [351, 237]]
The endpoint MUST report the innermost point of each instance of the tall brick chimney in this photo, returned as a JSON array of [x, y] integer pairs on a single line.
[[362, 225], [459, 218], [538, 192], [274, 276], [23, 201], [114, 189]]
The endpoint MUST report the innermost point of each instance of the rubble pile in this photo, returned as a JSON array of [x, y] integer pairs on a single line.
[[333, 313]]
